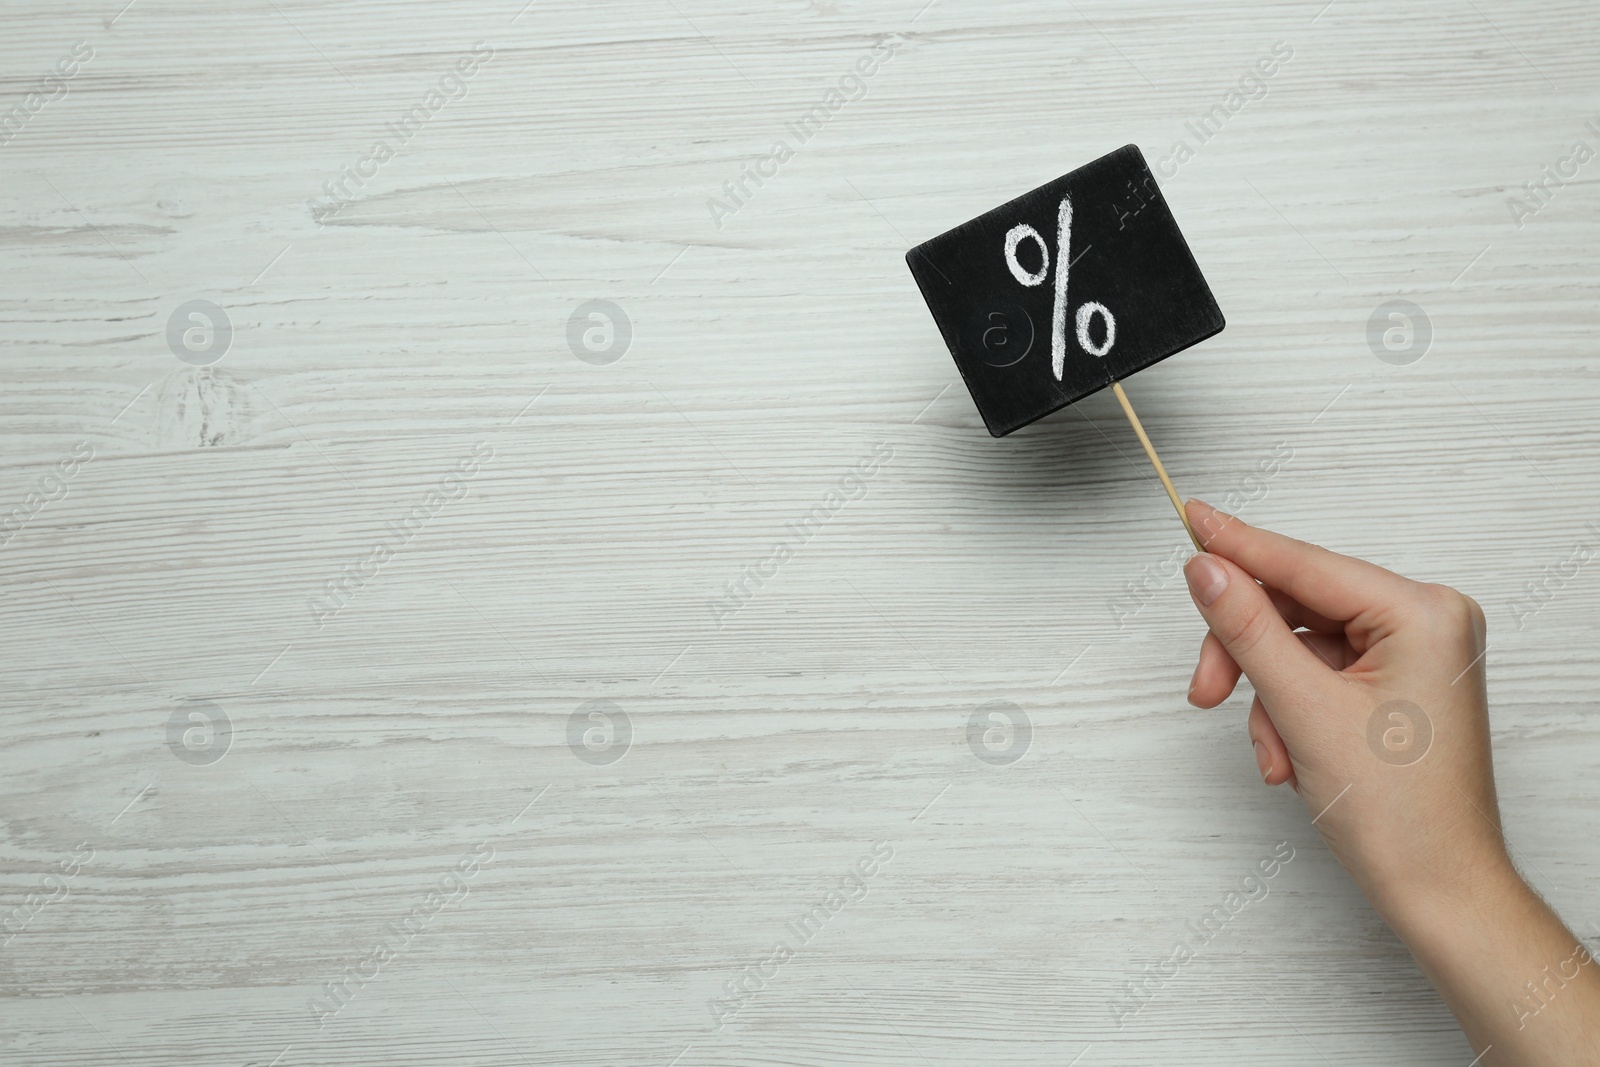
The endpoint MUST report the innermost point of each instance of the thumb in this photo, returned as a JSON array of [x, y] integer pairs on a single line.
[[1243, 617]]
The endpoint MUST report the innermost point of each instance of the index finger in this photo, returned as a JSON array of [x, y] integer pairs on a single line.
[[1336, 587]]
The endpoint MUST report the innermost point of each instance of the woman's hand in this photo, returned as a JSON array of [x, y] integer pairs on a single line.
[[1370, 701], [1375, 710]]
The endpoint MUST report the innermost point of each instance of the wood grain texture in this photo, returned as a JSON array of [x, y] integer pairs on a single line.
[[769, 357]]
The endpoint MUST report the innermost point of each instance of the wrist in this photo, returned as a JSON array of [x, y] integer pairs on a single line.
[[1502, 960], [1457, 870], [1463, 913]]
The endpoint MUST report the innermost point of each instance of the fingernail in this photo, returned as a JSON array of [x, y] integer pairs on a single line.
[[1263, 760], [1207, 578]]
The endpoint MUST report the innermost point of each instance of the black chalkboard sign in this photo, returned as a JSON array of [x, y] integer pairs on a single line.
[[1064, 290]]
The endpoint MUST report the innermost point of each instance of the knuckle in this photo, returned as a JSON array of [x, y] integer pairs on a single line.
[[1452, 607], [1305, 567], [1242, 633], [1294, 570]]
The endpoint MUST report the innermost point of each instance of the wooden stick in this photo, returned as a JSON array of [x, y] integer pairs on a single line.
[[1150, 450]]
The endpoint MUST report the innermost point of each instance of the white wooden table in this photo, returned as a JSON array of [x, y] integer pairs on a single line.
[[175, 526]]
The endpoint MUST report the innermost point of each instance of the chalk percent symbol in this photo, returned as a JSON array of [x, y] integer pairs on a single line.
[[1058, 319], [1083, 320]]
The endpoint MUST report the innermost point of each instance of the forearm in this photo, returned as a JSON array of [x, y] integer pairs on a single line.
[[1524, 988]]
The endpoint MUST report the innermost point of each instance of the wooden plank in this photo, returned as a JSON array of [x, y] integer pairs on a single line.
[[773, 745]]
